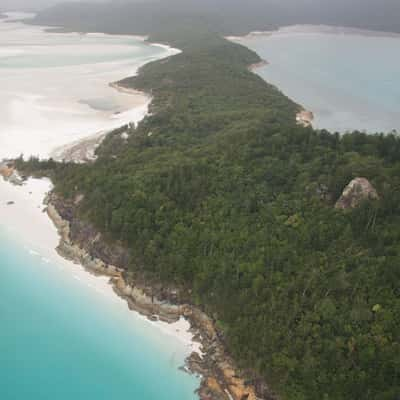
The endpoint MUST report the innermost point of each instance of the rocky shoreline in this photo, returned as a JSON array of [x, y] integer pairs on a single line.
[[81, 243]]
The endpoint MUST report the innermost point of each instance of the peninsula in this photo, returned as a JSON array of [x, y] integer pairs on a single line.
[[220, 204]]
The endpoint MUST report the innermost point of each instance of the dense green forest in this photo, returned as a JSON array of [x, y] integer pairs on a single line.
[[220, 192]]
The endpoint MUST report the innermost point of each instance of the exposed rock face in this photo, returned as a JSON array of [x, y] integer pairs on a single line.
[[357, 191], [84, 235], [305, 118]]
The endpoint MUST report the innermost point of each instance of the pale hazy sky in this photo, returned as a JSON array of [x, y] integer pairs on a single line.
[[33, 4], [10, 4]]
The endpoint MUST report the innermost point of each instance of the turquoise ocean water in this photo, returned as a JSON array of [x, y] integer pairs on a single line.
[[61, 336], [61, 340], [349, 81]]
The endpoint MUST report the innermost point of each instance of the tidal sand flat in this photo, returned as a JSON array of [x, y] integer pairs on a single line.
[[349, 79], [64, 333], [55, 87]]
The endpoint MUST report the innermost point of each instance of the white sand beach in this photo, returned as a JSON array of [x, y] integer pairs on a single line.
[[56, 86], [50, 120], [24, 220]]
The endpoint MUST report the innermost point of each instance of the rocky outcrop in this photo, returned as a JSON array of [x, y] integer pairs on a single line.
[[8, 172], [81, 234], [145, 303], [81, 243], [305, 118], [357, 191], [72, 251]]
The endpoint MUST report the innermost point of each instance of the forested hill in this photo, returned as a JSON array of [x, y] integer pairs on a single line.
[[226, 17], [218, 191]]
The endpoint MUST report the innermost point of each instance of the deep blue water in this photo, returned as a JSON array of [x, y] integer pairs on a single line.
[[61, 340], [349, 81]]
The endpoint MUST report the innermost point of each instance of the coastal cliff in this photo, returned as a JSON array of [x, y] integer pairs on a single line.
[[81, 243]]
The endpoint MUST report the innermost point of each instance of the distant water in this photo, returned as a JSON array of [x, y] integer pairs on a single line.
[[350, 81], [61, 340]]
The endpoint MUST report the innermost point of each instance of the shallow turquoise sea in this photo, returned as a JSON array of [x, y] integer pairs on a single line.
[[64, 335], [349, 81], [61, 340]]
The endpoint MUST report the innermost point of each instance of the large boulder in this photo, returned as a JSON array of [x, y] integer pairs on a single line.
[[357, 191]]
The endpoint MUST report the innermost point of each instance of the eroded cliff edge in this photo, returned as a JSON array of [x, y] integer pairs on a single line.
[[81, 243]]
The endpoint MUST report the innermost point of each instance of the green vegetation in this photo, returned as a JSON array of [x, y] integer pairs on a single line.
[[220, 192]]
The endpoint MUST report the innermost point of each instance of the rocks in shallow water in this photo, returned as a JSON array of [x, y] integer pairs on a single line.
[[357, 191]]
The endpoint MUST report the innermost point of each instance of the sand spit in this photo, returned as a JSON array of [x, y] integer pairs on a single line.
[[84, 150]]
